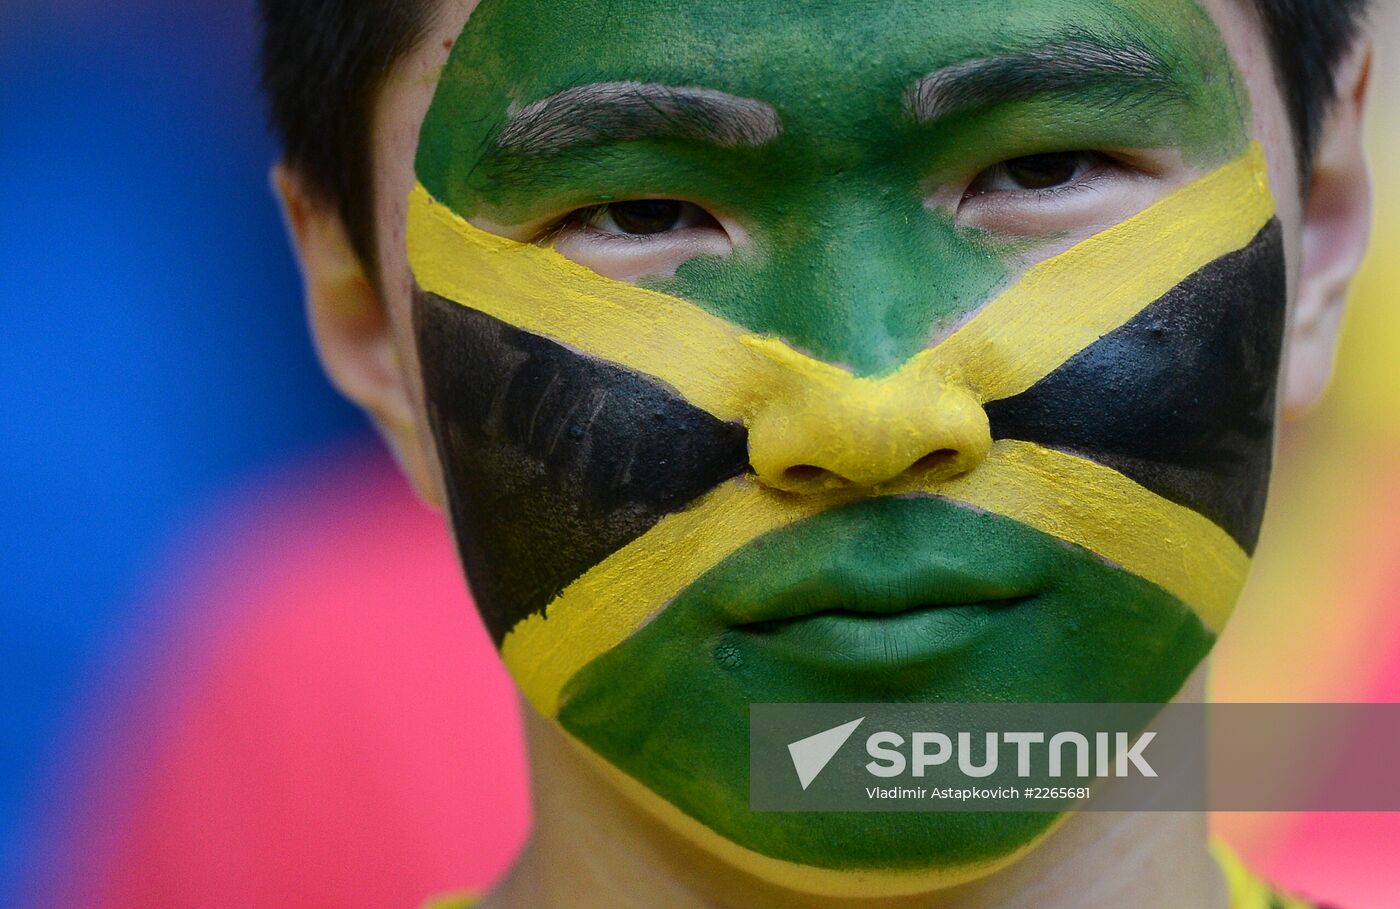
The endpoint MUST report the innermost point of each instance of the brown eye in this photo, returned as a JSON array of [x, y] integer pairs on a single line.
[[646, 216], [1034, 173], [1043, 171]]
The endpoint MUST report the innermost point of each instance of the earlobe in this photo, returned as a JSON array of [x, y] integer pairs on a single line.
[[1335, 234], [350, 324]]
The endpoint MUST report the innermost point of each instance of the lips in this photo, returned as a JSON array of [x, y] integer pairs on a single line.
[[875, 644], [856, 614], [921, 584], [855, 617]]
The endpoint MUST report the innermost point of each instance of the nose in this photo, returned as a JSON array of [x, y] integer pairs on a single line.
[[842, 432]]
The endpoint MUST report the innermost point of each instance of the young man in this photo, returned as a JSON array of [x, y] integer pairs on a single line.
[[923, 350]]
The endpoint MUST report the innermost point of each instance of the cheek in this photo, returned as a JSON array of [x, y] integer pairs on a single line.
[[635, 259], [1182, 398], [554, 460]]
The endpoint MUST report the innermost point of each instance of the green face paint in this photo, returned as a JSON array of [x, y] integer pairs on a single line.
[[818, 126], [828, 273], [670, 706]]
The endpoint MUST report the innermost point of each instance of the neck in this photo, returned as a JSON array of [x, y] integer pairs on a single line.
[[592, 847]]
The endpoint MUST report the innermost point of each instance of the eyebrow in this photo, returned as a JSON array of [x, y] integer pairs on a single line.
[[604, 112], [1071, 64]]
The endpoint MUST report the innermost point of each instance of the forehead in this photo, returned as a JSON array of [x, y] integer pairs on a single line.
[[834, 76], [789, 50]]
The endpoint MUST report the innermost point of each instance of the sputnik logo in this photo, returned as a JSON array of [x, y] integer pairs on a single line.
[[811, 755]]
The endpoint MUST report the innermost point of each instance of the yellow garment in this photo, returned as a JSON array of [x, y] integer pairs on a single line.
[[452, 901], [1246, 890]]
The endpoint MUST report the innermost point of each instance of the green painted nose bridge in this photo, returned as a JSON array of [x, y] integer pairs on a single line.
[[860, 280]]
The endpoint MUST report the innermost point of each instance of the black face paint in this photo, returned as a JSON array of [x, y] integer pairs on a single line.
[[1182, 398], [554, 460]]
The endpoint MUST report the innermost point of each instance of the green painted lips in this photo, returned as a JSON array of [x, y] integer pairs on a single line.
[[670, 707], [849, 264]]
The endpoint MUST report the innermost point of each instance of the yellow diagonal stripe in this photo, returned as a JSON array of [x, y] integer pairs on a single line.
[[1059, 494], [1057, 309], [602, 608], [540, 291], [1066, 303], [1085, 503]]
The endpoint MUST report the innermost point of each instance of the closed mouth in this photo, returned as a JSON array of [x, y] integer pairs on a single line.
[[857, 614], [884, 594], [858, 619], [873, 644]]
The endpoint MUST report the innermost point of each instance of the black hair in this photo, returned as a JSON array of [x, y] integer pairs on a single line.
[[323, 62], [1308, 39]]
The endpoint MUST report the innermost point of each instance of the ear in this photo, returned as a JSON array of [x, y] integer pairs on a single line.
[[350, 326], [1336, 231]]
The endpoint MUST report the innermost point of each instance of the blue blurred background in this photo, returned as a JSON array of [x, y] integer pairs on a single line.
[[155, 351]]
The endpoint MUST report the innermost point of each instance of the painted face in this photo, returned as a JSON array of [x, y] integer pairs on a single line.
[[847, 433]]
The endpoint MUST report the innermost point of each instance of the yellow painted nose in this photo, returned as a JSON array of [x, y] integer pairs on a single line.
[[833, 431]]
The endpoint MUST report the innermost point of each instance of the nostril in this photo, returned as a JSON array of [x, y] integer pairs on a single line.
[[935, 460], [805, 473]]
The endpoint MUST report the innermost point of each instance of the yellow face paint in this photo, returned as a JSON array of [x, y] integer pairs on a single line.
[[1068, 302], [1067, 497], [848, 884], [1057, 309]]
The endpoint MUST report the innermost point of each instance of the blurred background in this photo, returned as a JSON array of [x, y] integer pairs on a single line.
[[237, 668]]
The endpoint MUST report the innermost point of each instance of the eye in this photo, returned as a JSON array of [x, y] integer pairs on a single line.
[[642, 217], [1053, 198], [633, 239], [1036, 173]]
